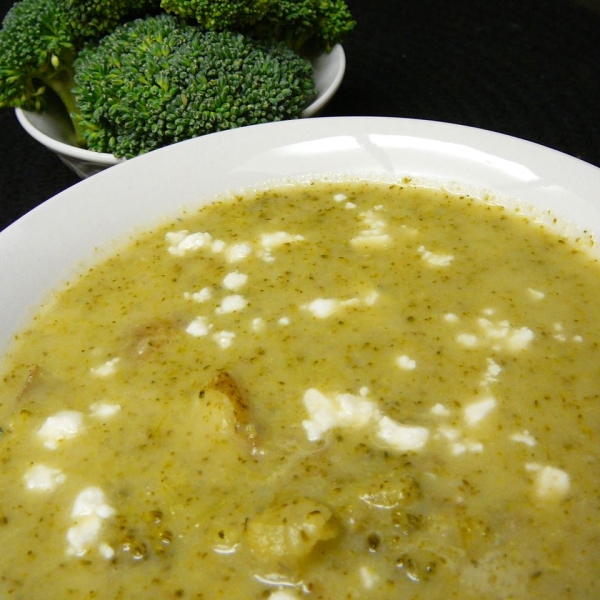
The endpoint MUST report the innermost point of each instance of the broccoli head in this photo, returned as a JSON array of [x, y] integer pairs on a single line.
[[156, 81], [306, 26], [37, 48], [218, 15], [94, 18]]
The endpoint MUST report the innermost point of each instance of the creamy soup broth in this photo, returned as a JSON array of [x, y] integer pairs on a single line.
[[336, 391]]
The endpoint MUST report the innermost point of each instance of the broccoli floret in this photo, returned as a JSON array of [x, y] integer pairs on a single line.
[[155, 81], [39, 41], [306, 26], [37, 48], [94, 18], [219, 15]]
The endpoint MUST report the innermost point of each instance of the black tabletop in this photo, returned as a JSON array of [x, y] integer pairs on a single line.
[[527, 68]]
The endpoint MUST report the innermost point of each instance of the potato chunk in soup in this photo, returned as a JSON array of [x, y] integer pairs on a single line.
[[335, 391]]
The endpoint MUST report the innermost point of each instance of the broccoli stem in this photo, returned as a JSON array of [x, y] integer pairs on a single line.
[[62, 83]]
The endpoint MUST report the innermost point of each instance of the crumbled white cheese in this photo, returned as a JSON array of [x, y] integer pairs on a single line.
[[404, 438], [466, 445], [551, 483], [181, 242], [509, 337], [339, 410], [499, 335], [492, 372], [63, 425], [440, 410], [103, 410], [235, 280], [374, 234], [238, 252], [218, 246], [340, 197], [199, 327], [451, 318], [89, 511], [258, 324], [270, 241], [43, 478], [406, 363], [274, 240], [477, 411], [224, 339], [468, 340], [284, 321], [435, 260], [349, 206], [322, 307], [107, 369], [200, 296], [231, 303], [524, 438], [176, 237]]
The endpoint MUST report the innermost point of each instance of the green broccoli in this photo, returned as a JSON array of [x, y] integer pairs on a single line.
[[37, 48], [94, 18], [219, 15], [155, 81], [306, 26], [39, 41]]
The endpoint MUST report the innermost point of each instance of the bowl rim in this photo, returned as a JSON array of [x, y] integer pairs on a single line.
[[338, 60]]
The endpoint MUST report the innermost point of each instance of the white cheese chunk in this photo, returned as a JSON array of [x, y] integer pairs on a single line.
[[551, 483], [103, 410], [274, 240], [339, 410], [231, 303], [406, 363], [43, 478], [200, 296], [235, 280], [224, 339], [404, 438], [433, 259], [238, 252], [63, 425], [180, 242], [440, 410], [107, 369], [258, 324], [477, 411], [524, 438], [322, 307], [89, 511], [199, 327]]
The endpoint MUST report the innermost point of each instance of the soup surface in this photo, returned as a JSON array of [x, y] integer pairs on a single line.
[[336, 391]]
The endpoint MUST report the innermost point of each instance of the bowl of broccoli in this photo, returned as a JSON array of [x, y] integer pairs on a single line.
[[98, 83]]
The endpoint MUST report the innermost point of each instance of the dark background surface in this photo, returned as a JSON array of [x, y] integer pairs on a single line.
[[527, 68]]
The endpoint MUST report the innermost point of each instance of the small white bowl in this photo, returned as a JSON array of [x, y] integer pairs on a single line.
[[52, 128]]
